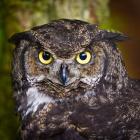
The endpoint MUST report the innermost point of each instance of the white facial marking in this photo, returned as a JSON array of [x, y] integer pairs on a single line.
[[40, 78], [34, 79], [36, 98], [92, 81]]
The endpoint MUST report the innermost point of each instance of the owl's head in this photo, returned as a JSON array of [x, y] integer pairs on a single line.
[[64, 56]]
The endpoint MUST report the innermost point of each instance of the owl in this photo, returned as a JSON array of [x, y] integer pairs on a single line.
[[70, 83]]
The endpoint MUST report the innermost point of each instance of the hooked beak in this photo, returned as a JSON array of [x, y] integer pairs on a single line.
[[63, 74]]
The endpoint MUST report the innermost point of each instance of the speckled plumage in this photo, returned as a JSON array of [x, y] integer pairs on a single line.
[[99, 101]]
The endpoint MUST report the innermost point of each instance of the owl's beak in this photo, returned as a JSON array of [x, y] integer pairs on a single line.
[[63, 73]]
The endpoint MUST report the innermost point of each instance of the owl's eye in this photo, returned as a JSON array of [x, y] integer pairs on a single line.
[[83, 57], [45, 57]]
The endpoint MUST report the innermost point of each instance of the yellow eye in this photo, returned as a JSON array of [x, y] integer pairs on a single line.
[[45, 57], [83, 57]]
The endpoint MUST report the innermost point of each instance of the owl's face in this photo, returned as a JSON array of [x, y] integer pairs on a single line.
[[42, 65], [63, 59]]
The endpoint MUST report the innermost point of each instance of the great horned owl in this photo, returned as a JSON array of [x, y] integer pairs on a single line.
[[70, 83]]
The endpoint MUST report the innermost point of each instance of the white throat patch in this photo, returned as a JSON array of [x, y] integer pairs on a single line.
[[36, 98]]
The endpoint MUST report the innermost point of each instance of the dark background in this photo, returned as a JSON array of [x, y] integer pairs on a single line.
[[124, 16]]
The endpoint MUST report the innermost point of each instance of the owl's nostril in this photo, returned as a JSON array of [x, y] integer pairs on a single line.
[[63, 73]]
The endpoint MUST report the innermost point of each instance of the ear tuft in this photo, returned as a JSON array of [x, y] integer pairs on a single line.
[[15, 39], [112, 36]]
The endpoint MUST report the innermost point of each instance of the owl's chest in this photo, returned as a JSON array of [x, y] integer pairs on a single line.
[[83, 114]]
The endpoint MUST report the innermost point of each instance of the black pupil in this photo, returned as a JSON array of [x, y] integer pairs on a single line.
[[83, 56], [46, 55]]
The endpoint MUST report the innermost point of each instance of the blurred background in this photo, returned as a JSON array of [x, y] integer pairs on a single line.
[[20, 15]]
